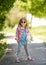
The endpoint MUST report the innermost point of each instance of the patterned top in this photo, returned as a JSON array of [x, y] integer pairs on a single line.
[[23, 38], [19, 32]]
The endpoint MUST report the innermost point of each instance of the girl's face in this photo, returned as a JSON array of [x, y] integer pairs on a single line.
[[23, 23]]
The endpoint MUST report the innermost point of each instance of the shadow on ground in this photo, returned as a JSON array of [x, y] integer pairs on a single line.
[[37, 51]]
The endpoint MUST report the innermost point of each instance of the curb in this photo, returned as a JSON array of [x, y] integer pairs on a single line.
[[4, 54]]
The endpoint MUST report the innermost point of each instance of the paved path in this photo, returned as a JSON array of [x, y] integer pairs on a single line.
[[37, 51]]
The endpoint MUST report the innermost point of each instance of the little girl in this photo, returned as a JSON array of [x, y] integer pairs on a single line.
[[21, 34]]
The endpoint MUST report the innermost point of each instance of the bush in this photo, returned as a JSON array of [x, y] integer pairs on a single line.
[[3, 46], [1, 36]]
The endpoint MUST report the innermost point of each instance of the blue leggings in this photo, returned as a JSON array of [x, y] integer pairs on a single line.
[[19, 48]]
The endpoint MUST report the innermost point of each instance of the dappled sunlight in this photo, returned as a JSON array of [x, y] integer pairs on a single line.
[[14, 15], [11, 11]]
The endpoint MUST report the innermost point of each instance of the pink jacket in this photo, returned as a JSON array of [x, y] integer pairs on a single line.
[[19, 32]]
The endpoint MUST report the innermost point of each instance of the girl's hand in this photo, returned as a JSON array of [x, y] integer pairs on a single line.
[[16, 39], [31, 39]]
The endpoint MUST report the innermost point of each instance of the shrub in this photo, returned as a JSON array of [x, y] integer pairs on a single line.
[[1, 36], [3, 46]]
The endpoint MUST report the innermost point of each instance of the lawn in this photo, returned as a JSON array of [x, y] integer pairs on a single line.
[[40, 32]]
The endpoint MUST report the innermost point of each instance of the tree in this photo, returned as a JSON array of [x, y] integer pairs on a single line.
[[35, 7], [38, 8], [5, 6]]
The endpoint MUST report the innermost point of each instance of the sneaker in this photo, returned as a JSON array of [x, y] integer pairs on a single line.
[[29, 58], [17, 60]]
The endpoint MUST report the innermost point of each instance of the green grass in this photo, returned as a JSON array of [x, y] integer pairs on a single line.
[[39, 31], [39, 27]]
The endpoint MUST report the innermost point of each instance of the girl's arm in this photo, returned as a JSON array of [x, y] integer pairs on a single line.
[[17, 33], [31, 35]]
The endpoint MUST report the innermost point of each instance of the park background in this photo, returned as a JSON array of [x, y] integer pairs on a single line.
[[12, 10]]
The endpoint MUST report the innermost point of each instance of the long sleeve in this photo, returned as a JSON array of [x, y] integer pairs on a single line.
[[17, 34]]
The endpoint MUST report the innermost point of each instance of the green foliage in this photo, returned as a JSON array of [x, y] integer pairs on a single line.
[[38, 8], [24, 0], [2, 18], [1, 53], [21, 5], [35, 7], [1, 36], [5, 6], [3, 46]]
